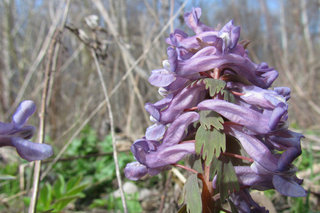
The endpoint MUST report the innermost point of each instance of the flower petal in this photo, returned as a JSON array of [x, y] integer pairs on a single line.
[[176, 130], [135, 170], [288, 187], [31, 151], [23, 112], [155, 132]]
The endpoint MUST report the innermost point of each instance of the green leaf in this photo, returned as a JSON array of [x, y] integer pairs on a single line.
[[73, 182], [59, 187], [198, 166], [214, 85], [228, 96], [45, 197], [210, 118], [77, 189], [192, 195], [63, 202], [210, 143], [227, 181]]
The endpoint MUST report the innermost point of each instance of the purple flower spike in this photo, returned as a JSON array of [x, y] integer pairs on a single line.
[[16, 134], [214, 97]]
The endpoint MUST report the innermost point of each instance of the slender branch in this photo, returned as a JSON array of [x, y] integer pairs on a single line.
[[37, 61], [104, 14], [42, 115], [115, 154]]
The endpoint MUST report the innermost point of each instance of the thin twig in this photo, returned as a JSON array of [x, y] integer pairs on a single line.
[[36, 62], [104, 14], [115, 153], [42, 115]]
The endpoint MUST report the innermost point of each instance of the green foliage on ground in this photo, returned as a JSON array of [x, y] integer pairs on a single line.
[[86, 177]]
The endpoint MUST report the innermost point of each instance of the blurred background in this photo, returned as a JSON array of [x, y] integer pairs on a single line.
[[128, 39]]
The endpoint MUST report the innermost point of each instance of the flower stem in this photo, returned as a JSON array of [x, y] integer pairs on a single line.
[[184, 167], [191, 109], [237, 93], [238, 156]]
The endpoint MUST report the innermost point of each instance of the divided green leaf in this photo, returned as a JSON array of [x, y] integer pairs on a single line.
[[210, 118], [192, 195], [227, 181], [210, 143], [214, 85], [228, 96]]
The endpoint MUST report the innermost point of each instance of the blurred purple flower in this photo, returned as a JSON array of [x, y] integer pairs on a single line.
[[17, 133]]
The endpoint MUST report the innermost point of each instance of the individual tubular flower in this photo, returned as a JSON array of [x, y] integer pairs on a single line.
[[155, 156], [259, 122], [17, 133]]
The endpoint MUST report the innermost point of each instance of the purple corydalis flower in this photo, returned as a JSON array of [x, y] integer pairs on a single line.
[[17, 133], [158, 155], [265, 98], [252, 113], [166, 112], [258, 122]]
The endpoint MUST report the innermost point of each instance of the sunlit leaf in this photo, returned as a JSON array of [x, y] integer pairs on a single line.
[[228, 96], [210, 143], [210, 118], [214, 85]]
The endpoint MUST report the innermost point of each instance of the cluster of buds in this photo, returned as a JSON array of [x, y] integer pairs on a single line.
[[218, 105], [17, 133]]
